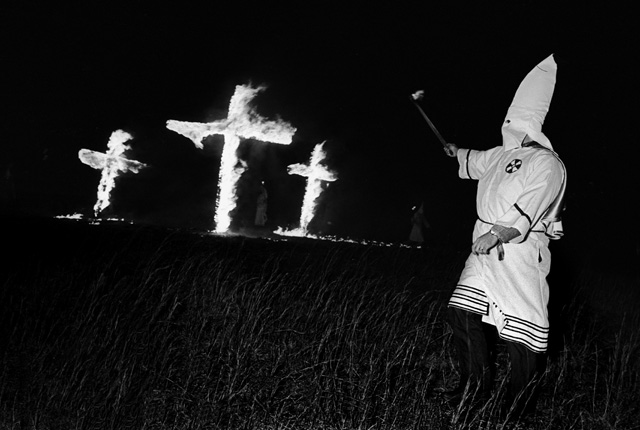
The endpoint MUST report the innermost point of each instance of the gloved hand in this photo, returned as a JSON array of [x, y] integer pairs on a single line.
[[451, 149]]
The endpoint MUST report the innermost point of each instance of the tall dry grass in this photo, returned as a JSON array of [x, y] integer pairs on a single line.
[[191, 333]]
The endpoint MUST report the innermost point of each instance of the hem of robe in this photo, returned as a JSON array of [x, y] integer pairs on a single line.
[[510, 328], [526, 326]]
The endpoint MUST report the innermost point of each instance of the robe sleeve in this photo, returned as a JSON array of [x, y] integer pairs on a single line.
[[474, 163], [542, 186]]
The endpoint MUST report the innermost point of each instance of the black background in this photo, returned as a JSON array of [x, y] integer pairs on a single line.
[[75, 72]]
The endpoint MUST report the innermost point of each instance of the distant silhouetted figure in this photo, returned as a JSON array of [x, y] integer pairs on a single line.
[[261, 207], [419, 228]]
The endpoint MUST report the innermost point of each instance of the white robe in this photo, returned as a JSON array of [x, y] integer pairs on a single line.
[[515, 189]]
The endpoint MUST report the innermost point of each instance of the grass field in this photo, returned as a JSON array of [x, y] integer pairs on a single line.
[[123, 327]]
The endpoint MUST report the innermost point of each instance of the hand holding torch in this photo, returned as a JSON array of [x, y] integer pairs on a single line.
[[449, 148]]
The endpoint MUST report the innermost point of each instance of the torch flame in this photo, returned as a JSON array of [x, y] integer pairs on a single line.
[[112, 163], [242, 122], [418, 95]]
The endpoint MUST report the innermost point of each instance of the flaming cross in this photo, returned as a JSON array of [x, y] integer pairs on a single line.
[[112, 163], [316, 172], [242, 122]]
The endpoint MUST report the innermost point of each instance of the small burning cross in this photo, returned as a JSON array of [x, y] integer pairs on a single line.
[[316, 172], [242, 122], [112, 163]]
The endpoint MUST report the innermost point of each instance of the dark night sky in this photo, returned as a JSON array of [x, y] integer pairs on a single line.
[[79, 71]]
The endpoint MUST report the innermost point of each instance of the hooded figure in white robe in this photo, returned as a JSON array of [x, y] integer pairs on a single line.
[[521, 187], [520, 190]]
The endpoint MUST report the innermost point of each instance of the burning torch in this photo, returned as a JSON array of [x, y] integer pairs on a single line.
[[415, 98]]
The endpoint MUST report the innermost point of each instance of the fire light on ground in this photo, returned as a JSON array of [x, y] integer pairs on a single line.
[[284, 234], [316, 172], [93, 221], [242, 122], [76, 216], [112, 163]]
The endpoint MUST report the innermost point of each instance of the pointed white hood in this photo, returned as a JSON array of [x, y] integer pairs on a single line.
[[530, 106]]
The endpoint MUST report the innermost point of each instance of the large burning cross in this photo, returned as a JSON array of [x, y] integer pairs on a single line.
[[242, 122], [316, 172], [112, 163]]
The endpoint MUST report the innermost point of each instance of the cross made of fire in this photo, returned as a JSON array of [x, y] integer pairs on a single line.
[[316, 172], [242, 122], [111, 163]]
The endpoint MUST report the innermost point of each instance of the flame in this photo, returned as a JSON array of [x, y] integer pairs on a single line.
[[316, 172], [418, 95], [279, 231], [112, 163], [242, 122], [76, 216]]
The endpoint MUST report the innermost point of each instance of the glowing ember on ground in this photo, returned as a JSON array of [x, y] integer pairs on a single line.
[[71, 216], [299, 233], [92, 221], [316, 172], [242, 122], [112, 164]]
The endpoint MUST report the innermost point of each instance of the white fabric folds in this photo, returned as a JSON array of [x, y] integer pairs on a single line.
[[530, 106]]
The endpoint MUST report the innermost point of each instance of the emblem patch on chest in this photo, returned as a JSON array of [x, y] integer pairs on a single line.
[[513, 166]]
